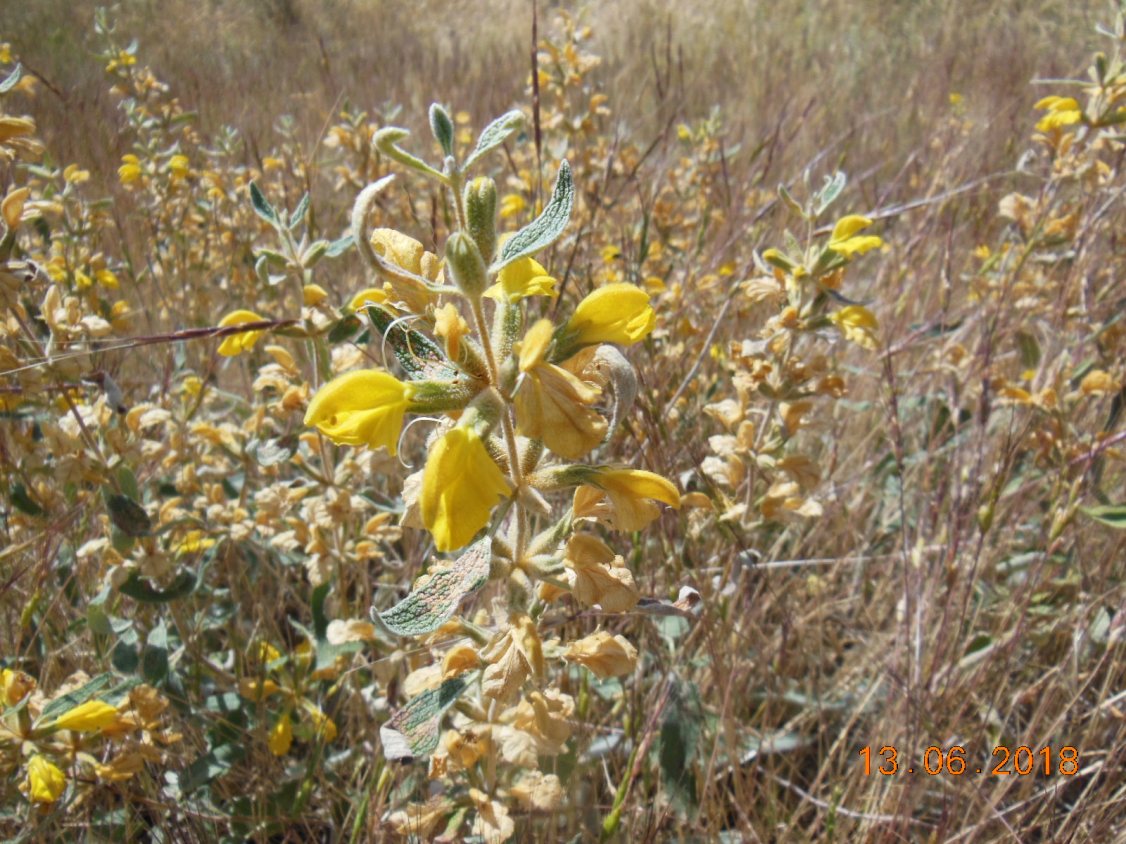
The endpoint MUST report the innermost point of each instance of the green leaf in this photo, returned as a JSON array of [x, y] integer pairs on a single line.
[[100, 687], [1113, 515], [677, 745], [24, 502], [154, 660], [790, 202], [429, 606], [829, 192], [320, 620], [262, 206], [139, 589], [386, 141], [442, 127], [344, 329], [494, 135], [546, 228], [128, 516], [210, 765], [11, 79], [412, 732], [299, 212], [339, 246], [421, 358], [1029, 350]]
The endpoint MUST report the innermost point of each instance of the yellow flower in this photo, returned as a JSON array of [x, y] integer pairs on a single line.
[[74, 175], [451, 326], [365, 407], [87, 717], [512, 205], [14, 686], [281, 736], [45, 782], [616, 313], [130, 170], [122, 59], [1062, 111], [312, 295], [603, 654], [368, 296], [623, 498], [236, 344], [193, 542], [460, 485], [525, 277], [552, 404], [857, 324], [178, 167], [845, 241]]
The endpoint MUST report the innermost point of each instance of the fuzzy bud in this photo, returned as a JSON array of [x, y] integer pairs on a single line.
[[466, 265], [481, 215]]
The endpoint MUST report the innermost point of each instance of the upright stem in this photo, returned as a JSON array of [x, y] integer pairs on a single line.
[[508, 428]]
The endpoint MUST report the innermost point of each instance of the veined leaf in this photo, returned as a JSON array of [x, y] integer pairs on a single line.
[[442, 127], [262, 206], [421, 358], [11, 79], [101, 687], [494, 135], [546, 228], [428, 607], [412, 732]]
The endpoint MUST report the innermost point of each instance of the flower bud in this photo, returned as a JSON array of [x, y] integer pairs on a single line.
[[481, 215], [466, 265]]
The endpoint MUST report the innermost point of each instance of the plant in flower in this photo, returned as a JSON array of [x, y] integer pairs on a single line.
[[759, 462], [516, 409]]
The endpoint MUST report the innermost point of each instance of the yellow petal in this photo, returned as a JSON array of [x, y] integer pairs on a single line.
[[525, 277], [460, 485], [370, 295], [616, 313], [45, 782], [622, 498], [846, 227], [87, 717], [857, 245], [857, 324], [553, 405], [237, 343], [365, 407], [281, 736]]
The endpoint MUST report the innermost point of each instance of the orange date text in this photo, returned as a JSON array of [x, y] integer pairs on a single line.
[[1003, 761]]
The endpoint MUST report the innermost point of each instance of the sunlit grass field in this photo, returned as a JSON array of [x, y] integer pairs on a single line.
[[617, 422]]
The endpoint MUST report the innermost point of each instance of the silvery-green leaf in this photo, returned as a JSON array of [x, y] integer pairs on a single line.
[[412, 732], [386, 141], [421, 358], [442, 127], [494, 135], [429, 606], [11, 79], [546, 228], [262, 206]]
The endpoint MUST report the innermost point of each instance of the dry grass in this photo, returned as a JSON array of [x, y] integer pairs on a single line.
[[950, 593]]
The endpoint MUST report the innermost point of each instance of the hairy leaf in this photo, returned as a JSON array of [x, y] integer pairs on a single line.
[[546, 228]]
